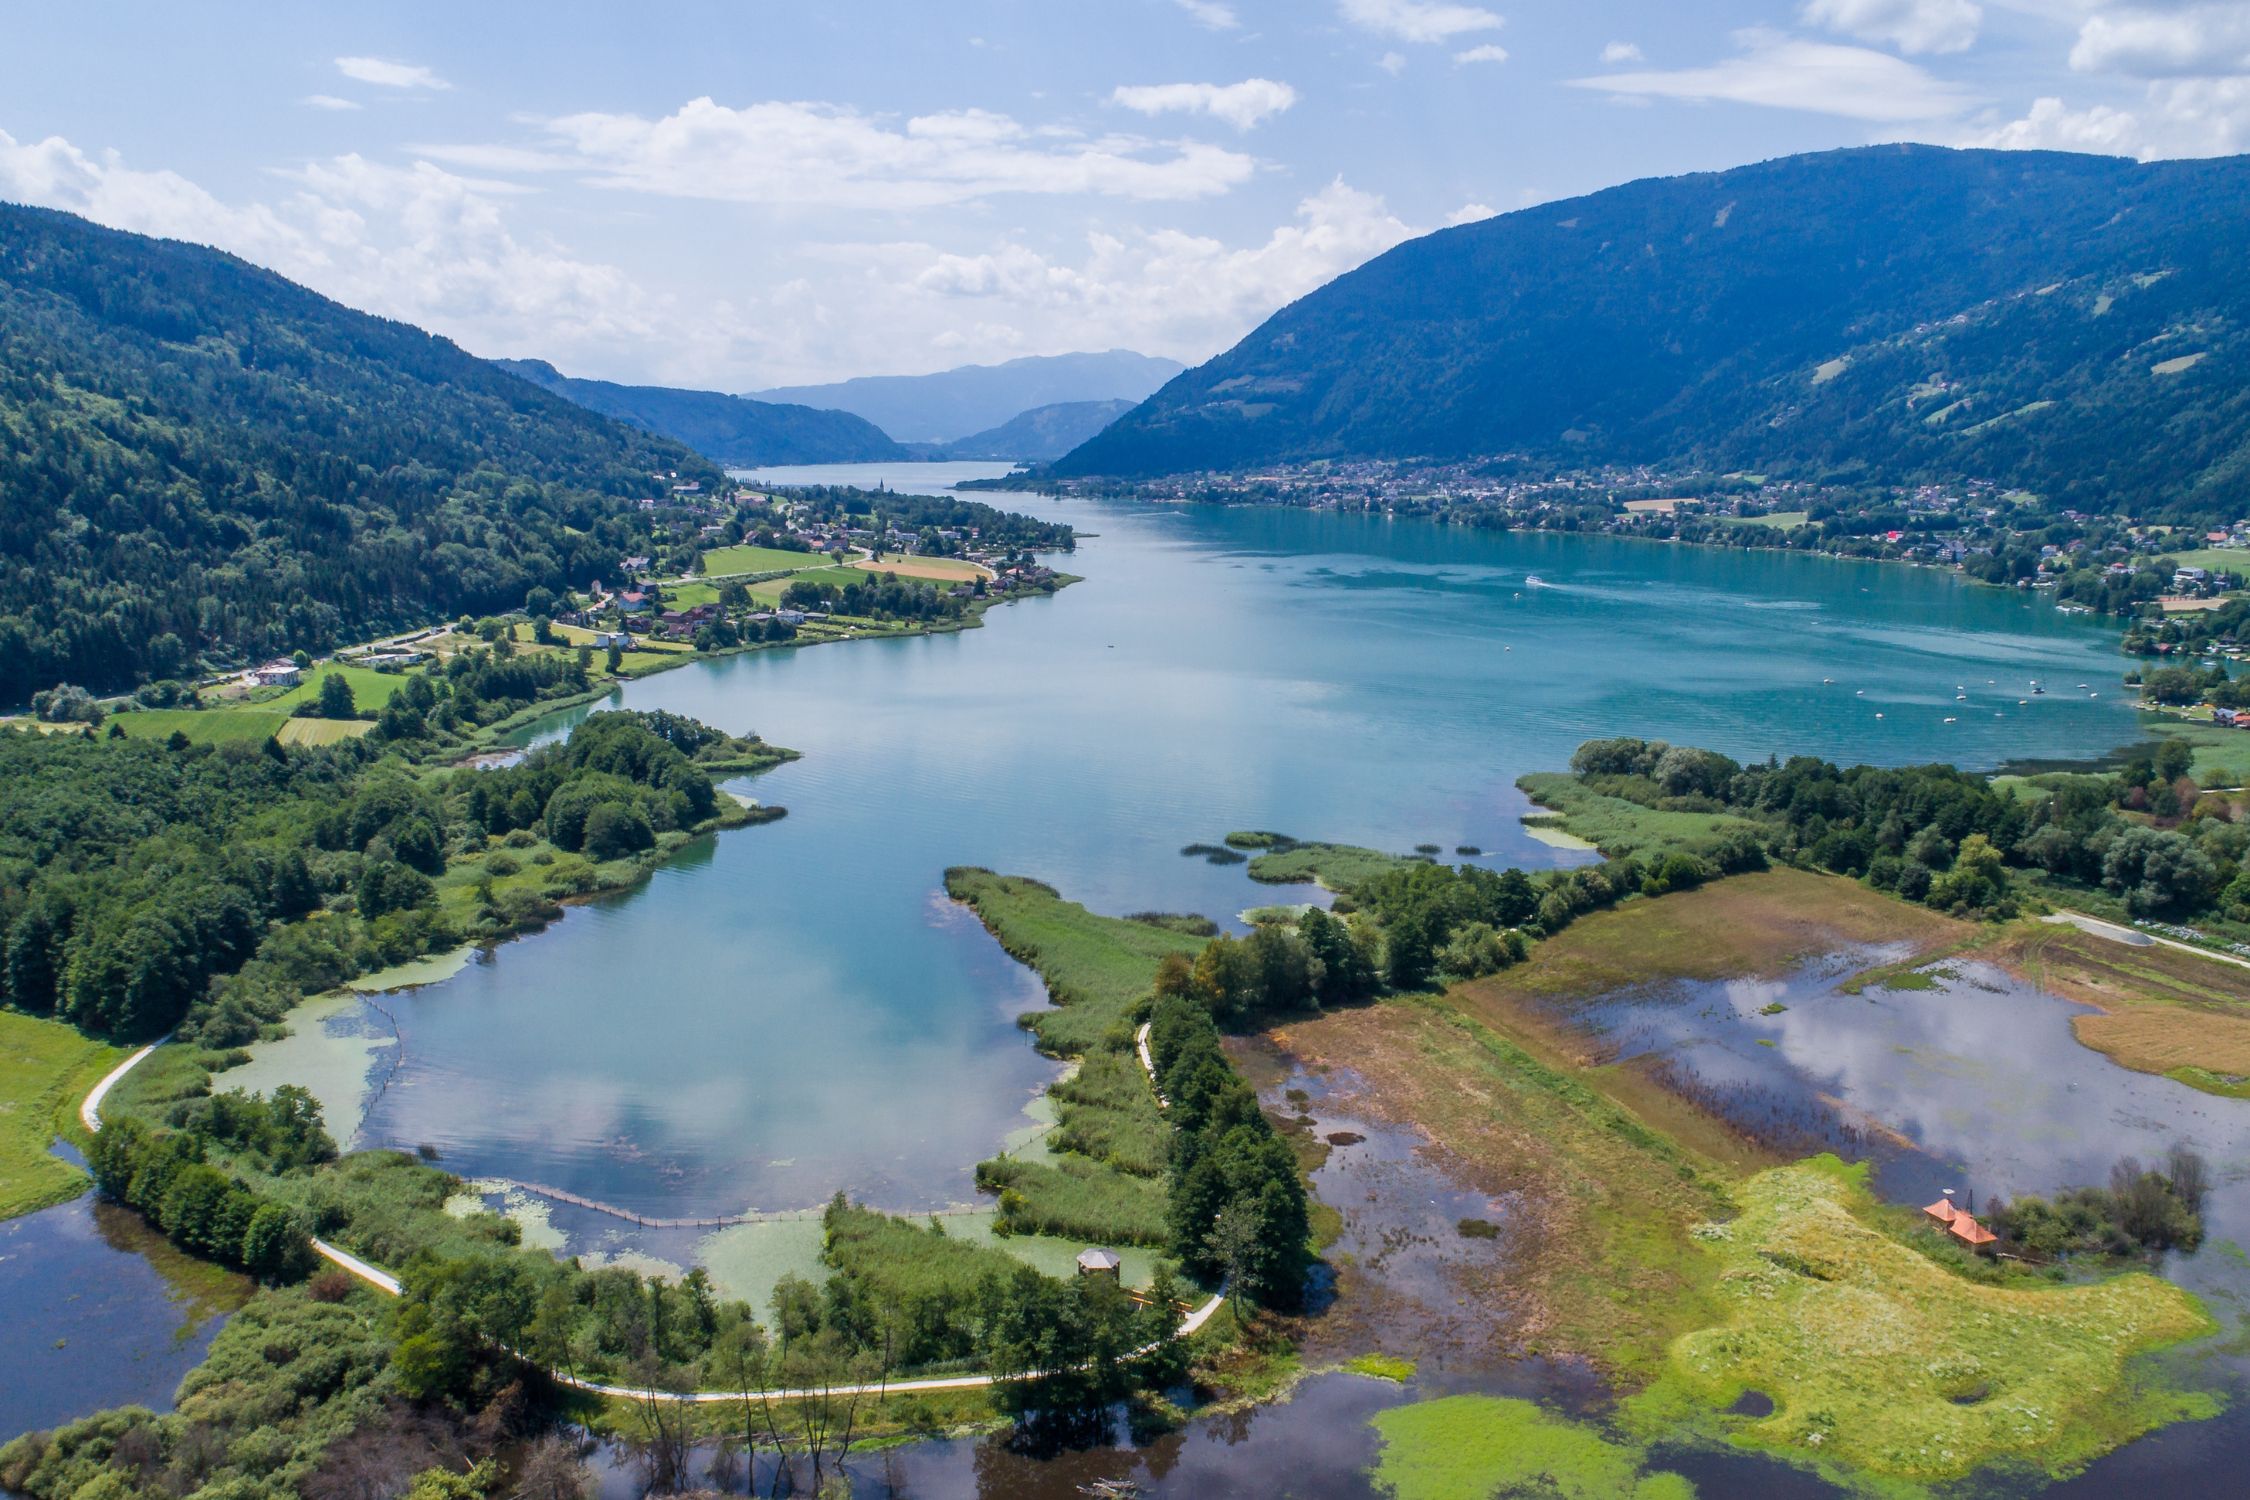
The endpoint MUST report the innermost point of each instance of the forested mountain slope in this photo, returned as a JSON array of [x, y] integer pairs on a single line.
[[1040, 433], [2071, 324], [725, 429], [199, 458]]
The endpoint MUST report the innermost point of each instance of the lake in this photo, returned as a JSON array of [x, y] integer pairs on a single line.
[[794, 1009]]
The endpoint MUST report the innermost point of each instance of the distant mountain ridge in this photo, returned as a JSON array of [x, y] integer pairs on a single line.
[[725, 429], [2075, 325], [952, 404], [1034, 436], [202, 458]]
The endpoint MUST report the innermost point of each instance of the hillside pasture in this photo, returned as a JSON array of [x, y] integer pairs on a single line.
[[202, 726]]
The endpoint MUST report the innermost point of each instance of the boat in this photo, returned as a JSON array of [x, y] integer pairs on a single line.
[[1951, 720]]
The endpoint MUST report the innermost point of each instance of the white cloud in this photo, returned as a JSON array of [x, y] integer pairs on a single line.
[[1470, 213], [1783, 72], [2180, 41], [1210, 13], [1621, 52], [2179, 117], [1393, 63], [1241, 105], [827, 155], [1418, 20], [1488, 53], [328, 101], [1909, 25], [415, 242], [1159, 290], [384, 73]]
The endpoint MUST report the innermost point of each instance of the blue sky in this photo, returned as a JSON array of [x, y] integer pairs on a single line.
[[752, 193]]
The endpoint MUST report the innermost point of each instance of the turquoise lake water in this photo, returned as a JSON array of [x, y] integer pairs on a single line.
[[796, 1008]]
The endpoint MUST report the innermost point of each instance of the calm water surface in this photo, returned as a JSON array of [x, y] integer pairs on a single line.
[[796, 1008]]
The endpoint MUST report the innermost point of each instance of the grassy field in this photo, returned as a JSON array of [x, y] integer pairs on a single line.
[[370, 689], [936, 569], [202, 726], [769, 592], [322, 731], [1879, 1359], [2234, 560], [1619, 828], [45, 1070], [724, 562], [2222, 756], [1780, 519], [1477, 1447]]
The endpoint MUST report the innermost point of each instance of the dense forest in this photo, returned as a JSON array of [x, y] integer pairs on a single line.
[[2070, 325], [205, 461]]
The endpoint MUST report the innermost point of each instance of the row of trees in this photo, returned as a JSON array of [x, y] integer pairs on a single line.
[[1236, 1202], [205, 1208]]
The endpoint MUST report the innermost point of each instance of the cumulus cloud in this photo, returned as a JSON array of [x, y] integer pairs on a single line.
[[1488, 53], [2179, 41], [1909, 25], [1621, 52], [1418, 20], [415, 242], [1784, 72], [1241, 105], [384, 73], [1210, 14], [1162, 289], [835, 156], [2178, 117]]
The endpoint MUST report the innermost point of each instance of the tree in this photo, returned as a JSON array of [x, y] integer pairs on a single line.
[[615, 659], [1232, 1242], [336, 697]]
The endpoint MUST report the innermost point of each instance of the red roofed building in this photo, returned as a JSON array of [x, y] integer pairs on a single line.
[[1968, 1231], [1943, 1211]]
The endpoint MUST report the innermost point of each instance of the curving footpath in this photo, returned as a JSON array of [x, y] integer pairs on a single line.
[[90, 1115]]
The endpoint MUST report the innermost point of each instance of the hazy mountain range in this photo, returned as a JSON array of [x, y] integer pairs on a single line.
[[2074, 325], [953, 404]]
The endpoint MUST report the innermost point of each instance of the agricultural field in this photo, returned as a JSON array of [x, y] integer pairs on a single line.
[[370, 689], [769, 592], [45, 1069], [322, 731], [1780, 520], [724, 562], [202, 726], [936, 569]]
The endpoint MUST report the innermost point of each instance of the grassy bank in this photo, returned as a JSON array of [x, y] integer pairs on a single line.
[[1099, 1174], [1476, 1447], [45, 1070], [1619, 828]]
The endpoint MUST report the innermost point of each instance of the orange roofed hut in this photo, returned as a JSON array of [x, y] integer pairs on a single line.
[[1943, 1211], [1968, 1231]]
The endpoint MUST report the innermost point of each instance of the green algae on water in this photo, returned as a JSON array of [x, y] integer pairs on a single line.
[[1484, 1447]]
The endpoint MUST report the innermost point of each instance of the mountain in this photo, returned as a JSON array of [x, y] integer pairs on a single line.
[[725, 429], [2074, 325], [203, 458], [973, 398], [1044, 432]]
